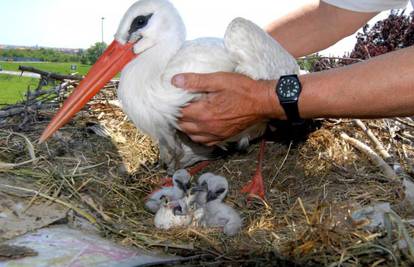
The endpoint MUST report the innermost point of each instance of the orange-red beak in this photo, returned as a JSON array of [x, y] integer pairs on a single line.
[[115, 57]]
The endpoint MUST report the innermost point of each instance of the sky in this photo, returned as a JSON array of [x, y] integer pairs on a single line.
[[77, 23]]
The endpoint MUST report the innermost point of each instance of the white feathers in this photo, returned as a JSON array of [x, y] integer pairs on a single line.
[[255, 53], [173, 214], [145, 89]]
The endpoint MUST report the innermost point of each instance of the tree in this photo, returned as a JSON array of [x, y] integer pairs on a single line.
[[393, 33], [94, 52], [390, 34]]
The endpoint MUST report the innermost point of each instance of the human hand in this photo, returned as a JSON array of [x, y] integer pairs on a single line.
[[231, 103]]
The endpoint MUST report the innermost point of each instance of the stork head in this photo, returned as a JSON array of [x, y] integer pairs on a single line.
[[216, 186], [181, 180], [148, 23], [145, 24]]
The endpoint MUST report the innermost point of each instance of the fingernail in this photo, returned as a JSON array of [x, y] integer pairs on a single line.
[[179, 81]]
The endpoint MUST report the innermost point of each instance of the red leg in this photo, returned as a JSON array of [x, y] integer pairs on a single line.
[[198, 167], [256, 185], [168, 181], [165, 182]]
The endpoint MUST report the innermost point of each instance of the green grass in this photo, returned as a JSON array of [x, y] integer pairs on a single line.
[[13, 88], [62, 68]]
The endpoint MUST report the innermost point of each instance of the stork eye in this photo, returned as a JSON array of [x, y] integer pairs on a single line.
[[139, 23]]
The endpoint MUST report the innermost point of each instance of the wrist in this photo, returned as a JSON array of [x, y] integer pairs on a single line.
[[271, 108]]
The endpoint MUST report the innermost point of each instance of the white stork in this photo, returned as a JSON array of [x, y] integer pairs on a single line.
[[150, 48]]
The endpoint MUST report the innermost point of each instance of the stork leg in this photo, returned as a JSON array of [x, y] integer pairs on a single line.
[[167, 182], [256, 185], [198, 167]]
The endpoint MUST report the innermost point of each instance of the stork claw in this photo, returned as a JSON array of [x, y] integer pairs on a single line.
[[256, 185]]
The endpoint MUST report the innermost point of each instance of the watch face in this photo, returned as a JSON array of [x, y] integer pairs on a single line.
[[289, 88]]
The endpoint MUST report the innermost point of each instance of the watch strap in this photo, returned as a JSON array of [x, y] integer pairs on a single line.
[[292, 113], [290, 106]]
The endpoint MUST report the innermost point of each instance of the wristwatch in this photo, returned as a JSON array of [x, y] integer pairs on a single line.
[[288, 90]]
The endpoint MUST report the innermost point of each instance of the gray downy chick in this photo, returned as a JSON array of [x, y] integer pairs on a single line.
[[181, 185], [210, 187], [171, 214], [178, 213], [215, 212]]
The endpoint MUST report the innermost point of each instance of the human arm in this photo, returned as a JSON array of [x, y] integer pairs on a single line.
[[361, 90], [315, 27], [379, 87]]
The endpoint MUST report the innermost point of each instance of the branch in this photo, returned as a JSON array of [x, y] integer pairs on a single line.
[[343, 58], [51, 75], [17, 110], [406, 121], [377, 160], [378, 146]]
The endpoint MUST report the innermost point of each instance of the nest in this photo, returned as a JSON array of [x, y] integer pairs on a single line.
[[101, 167]]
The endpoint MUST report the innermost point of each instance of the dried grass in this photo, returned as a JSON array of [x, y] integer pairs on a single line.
[[312, 188]]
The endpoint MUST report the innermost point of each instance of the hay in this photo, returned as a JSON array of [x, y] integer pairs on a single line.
[[312, 189]]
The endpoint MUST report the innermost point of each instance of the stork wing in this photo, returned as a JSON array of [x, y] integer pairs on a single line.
[[257, 55]]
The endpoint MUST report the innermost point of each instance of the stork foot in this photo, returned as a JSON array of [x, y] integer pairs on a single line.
[[255, 186]]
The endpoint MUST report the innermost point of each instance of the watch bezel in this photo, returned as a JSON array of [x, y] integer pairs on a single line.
[[291, 99]]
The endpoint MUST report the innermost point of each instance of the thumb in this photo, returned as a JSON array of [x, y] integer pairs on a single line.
[[194, 82]]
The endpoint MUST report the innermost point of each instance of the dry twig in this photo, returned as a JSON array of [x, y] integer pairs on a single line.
[[89, 217], [30, 148], [378, 145], [372, 155]]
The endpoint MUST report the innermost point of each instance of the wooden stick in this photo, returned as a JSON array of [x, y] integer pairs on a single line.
[[51, 75], [372, 155], [378, 146], [15, 111], [406, 121]]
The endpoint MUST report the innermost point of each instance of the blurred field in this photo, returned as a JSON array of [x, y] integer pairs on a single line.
[[12, 88], [63, 68]]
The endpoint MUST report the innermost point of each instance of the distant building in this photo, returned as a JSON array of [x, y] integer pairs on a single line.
[[21, 59], [72, 51]]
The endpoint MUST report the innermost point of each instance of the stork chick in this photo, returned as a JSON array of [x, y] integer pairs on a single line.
[[210, 187], [170, 214], [178, 213], [181, 184], [215, 212]]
